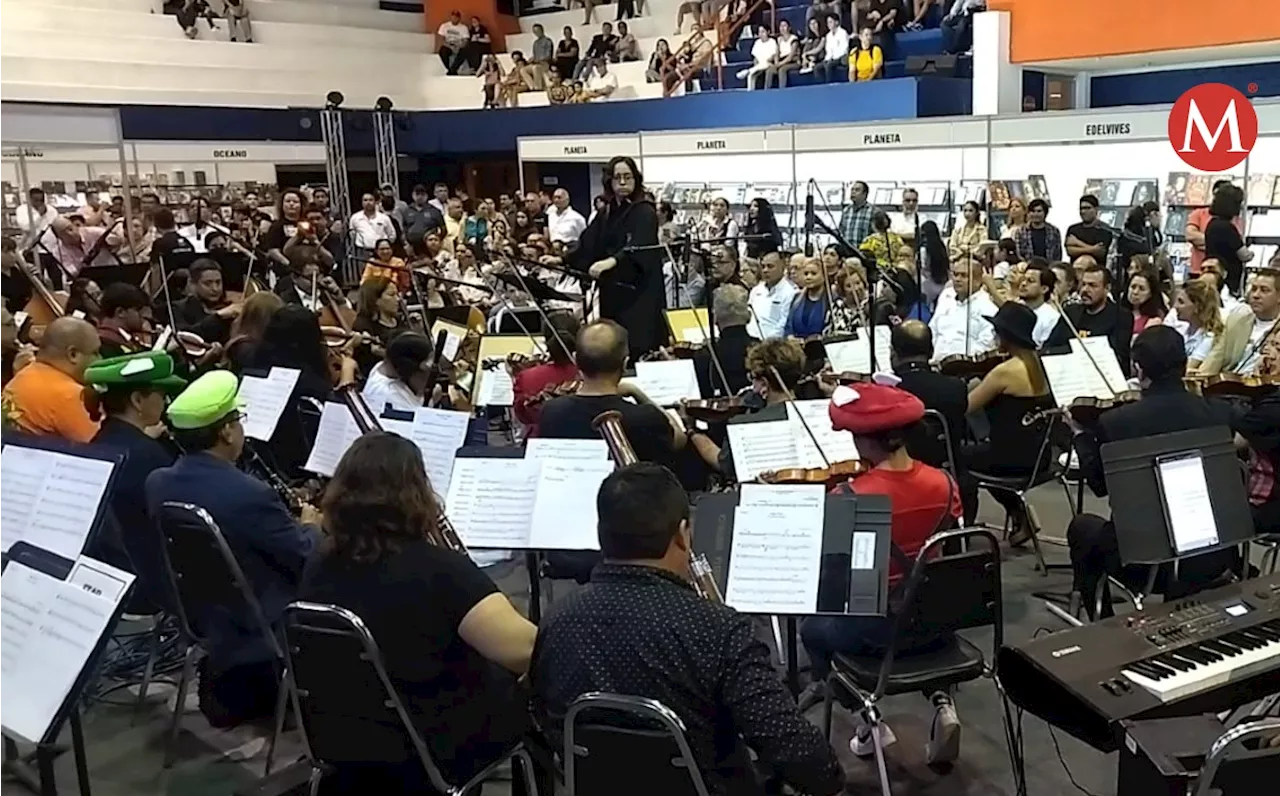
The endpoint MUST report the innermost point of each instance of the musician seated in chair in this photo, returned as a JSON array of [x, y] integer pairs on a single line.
[[1257, 430], [207, 312], [451, 642], [126, 317], [1015, 397], [601, 354], [640, 629], [238, 678], [1159, 363], [925, 501], [308, 284], [530, 386], [732, 314]]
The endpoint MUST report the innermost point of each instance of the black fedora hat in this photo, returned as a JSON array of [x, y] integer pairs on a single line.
[[1015, 322]]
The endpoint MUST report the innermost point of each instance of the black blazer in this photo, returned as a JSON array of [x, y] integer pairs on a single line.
[[945, 394], [732, 343], [1164, 408]]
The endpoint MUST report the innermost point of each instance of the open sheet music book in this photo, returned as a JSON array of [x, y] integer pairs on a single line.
[[667, 383], [1073, 375], [265, 399], [776, 554], [854, 356], [51, 628], [545, 501], [781, 444], [50, 498]]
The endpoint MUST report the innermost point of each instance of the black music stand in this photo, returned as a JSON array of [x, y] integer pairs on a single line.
[[841, 589], [40, 779]]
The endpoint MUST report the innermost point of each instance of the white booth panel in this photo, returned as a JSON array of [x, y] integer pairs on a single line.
[[891, 135], [898, 165], [591, 149], [59, 125], [717, 142], [772, 168]]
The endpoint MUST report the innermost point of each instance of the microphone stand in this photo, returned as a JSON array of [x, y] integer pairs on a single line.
[[873, 279]]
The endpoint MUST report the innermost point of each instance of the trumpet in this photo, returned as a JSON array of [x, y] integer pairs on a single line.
[[609, 425]]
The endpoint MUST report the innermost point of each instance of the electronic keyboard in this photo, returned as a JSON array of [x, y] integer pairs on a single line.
[[1212, 652]]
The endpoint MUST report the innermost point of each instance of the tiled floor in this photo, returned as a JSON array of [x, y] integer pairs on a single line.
[[125, 758]]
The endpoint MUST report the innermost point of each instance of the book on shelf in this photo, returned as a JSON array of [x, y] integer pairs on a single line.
[[1175, 190], [1199, 190], [1145, 191], [1175, 222], [1261, 190]]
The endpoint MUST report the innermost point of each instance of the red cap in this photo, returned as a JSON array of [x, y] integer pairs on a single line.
[[869, 408]]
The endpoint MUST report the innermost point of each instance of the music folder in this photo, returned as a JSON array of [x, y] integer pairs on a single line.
[[1141, 507], [853, 559], [58, 616]]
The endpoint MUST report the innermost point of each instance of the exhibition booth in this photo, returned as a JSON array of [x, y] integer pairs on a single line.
[[1121, 155], [575, 164]]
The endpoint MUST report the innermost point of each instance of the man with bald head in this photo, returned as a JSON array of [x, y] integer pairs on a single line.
[[47, 396], [564, 224], [601, 354], [911, 349]]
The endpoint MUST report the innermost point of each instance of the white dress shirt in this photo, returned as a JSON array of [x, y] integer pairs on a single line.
[[961, 327], [381, 389], [565, 225], [905, 224], [33, 224], [366, 231], [196, 235], [837, 45], [770, 307], [1047, 317]]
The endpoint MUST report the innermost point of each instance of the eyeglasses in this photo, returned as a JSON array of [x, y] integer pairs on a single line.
[[624, 176]]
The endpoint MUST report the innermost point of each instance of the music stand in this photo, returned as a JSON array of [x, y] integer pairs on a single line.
[[536, 289], [1142, 527]]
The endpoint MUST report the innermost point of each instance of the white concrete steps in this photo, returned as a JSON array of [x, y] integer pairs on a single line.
[[136, 95], [364, 14]]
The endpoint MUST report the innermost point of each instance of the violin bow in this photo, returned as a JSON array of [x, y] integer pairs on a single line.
[[1076, 334]]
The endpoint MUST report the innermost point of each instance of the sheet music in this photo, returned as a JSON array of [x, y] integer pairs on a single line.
[[776, 554], [1073, 375], [667, 383], [496, 388], [490, 501], [757, 447], [335, 434], [837, 446], [439, 433], [573, 450], [854, 356], [864, 550], [264, 400], [50, 498], [564, 513], [51, 628]]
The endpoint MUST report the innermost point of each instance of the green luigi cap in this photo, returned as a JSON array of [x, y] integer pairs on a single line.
[[149, 369], [207, 400]]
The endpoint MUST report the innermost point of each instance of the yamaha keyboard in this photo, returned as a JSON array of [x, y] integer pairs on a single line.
[[1208, 653]]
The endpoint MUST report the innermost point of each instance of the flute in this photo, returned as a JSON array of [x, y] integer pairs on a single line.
[[609, 425]]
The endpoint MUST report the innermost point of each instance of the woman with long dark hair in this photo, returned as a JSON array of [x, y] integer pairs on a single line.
[[1222, 240], [439, 622], [935, 263], [1146, 299], [289, 213], [619, 249], [561, 335], [249, 327], [761, 221], [1139, 235]]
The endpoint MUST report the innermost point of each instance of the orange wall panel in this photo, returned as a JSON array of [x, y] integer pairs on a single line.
[[1050, 30], [499, 25]]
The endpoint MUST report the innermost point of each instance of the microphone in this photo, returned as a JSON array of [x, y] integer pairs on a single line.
[[808, 221]]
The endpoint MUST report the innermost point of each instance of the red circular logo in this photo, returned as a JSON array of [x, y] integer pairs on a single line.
[[1212, 127]]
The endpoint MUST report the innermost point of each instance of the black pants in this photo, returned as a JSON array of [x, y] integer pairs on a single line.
[[626, 9], [238, 695], [1095, 554], [1266, 516]]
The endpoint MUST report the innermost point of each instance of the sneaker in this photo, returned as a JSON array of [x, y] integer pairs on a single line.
[[813, 694], [862, 744], [806, 70], [944, 733]]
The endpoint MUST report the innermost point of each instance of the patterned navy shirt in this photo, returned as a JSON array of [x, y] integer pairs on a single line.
[[645, 632]]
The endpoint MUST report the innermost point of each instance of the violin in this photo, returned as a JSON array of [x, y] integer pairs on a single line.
[[570, 387], [715, 410], [971, 366], [518, 362], [1085, 410], [830, 477], [1232, 385]]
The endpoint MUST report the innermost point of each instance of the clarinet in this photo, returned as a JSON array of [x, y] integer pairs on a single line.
[[609, 425], [275, 481]]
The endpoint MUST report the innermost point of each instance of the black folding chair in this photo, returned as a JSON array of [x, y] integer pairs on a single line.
[[944, 593], [1245, 749], [931, 442], [637, 738], [203, 572], [338, 670]]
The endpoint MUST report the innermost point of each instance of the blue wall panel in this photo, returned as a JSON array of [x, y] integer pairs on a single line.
[[1158, 88], [473, 131]]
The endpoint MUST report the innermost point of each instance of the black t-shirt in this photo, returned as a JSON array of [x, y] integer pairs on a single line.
[[1091, 235], [1040, 241], [647, 428], [279, 233], [1222, 241], [167, 245], [413, 602]]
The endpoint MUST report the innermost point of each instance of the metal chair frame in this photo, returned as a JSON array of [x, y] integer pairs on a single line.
[[195, 645], [1230, 746], [642, 708], [1020, 492], [946, 440], [295, 617]]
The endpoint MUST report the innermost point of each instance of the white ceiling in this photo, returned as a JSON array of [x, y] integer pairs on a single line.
[[1198, 57]]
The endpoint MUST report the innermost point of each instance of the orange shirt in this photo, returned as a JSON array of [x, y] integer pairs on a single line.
[[49, 402], [396, 273]]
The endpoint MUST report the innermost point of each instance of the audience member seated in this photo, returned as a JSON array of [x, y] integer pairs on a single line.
[[452, 38], [601, 48], [1257, 430], [190, 12], [627, 48], [660, 63], [558, 91], [919, 13], [479, 43], [835, 51], [1096, 315], [567, 55], [47, 396], [814, 46], [788, 57], [239, 677], [1159, 364], [925, 500], [702, 659], [866, 60], [764, 55], [883, 17], [601, 83], [451, 642]]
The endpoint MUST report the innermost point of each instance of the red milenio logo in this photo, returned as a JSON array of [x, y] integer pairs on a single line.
[[1213, 127]]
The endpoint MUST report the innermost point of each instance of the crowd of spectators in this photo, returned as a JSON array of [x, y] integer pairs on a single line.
[[234, 12]]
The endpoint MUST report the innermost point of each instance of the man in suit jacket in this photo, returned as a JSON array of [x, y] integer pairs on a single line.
[[1159, 362], [1238, 347], [731, 315], [238, 680], [911, 350]]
